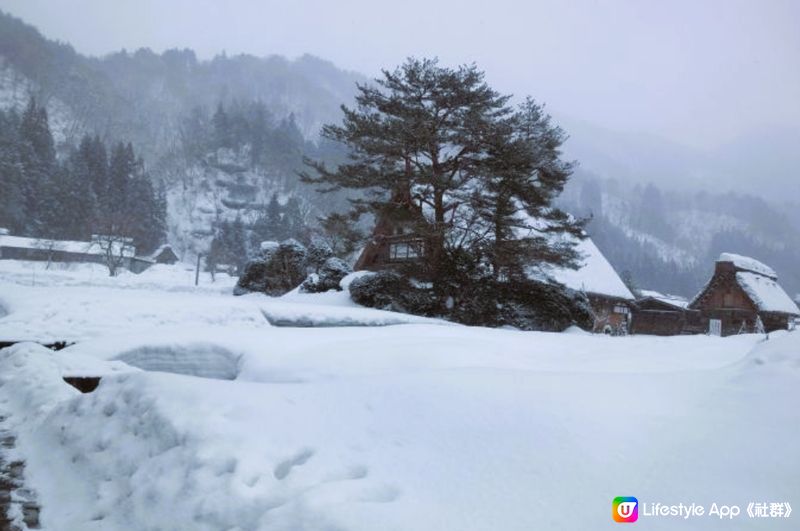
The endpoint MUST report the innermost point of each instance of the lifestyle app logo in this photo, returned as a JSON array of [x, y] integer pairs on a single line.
[[625, 509]]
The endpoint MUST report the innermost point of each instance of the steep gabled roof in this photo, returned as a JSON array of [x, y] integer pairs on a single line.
[[758, 281], [595, 276], [745, 263], [766, 293], [672, 300]]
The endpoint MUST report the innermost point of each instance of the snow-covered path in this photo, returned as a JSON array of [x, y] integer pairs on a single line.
[[407, 427]]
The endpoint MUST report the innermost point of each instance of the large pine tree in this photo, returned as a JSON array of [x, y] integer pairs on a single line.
[[482, 172]]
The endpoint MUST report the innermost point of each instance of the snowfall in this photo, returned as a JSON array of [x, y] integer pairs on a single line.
[[307, 412]]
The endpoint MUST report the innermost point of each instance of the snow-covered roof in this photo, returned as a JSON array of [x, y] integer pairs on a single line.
[[748, 264], [766, 293], [155, 254], [269, 245], [674, 300], [595, 276], [69, 246]]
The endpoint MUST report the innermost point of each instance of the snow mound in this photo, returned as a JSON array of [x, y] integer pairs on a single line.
[[748, 264], [205, 360], [779, 353], [30, 376], [309, 315]]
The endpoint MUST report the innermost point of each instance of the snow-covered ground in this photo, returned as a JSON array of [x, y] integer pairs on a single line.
[[209, 417]]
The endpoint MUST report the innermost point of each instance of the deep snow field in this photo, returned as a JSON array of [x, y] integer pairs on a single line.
[[211, 417]]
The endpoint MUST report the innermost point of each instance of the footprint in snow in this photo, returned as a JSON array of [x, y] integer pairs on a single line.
[[285, 467]]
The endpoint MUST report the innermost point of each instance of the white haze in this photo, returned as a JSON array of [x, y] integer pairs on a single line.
[[718, 80]]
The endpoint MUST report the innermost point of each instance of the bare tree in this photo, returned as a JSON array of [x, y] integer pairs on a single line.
[[114, 226]]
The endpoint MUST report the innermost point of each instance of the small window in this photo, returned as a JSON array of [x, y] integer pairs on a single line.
[[403, 251], [621, 309]]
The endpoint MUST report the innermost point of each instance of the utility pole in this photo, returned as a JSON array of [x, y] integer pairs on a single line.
[[197, 270]]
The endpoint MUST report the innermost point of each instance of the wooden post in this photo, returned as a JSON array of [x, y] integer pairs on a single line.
[[197, 270]]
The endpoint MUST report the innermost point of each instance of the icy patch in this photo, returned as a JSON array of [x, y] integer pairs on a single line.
[[197, 359]]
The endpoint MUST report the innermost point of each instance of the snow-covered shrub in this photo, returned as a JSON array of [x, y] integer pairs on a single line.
[[253, 278], [523, 304], [345, 282], [318, 253], [267, 249], [330, 274], [388, 290], [277, 272]]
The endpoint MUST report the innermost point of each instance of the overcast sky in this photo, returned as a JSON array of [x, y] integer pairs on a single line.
[[697, 72]]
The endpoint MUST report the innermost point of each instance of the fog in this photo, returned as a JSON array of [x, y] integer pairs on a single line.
[[682, 82], [698, 73]]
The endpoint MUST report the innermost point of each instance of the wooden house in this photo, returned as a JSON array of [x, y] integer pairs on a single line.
[[69, 251], [611, 301], [394, 239], [164, 255], [743, 296], [663, 315]]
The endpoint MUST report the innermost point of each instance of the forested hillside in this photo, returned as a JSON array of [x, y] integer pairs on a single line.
[[668, 239], [220, 142]]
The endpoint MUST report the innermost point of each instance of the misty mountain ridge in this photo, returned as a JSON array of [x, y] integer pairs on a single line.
[[156, 101], [763, 162]]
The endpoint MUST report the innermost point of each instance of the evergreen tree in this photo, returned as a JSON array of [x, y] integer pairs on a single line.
[[259, 132], [480, 173], [37, 154], [285, 148], [268, 225], [13, 214], [76, 197], [293, 222], [229, 246], [223, 134], [94, 158], [273, 214]]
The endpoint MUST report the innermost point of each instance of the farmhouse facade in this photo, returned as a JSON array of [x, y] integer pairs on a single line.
[[664, 315], [69, 251], [395, 242], [743, 296], [394, 239], [611, 301]]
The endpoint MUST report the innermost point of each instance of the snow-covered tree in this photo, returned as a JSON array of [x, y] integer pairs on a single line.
[[482, 172]]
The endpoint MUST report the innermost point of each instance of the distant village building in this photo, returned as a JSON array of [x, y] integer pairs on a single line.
[[611, 301], [743, 296], [394, 240], [663, 315], [71, 251], [164, 255]]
